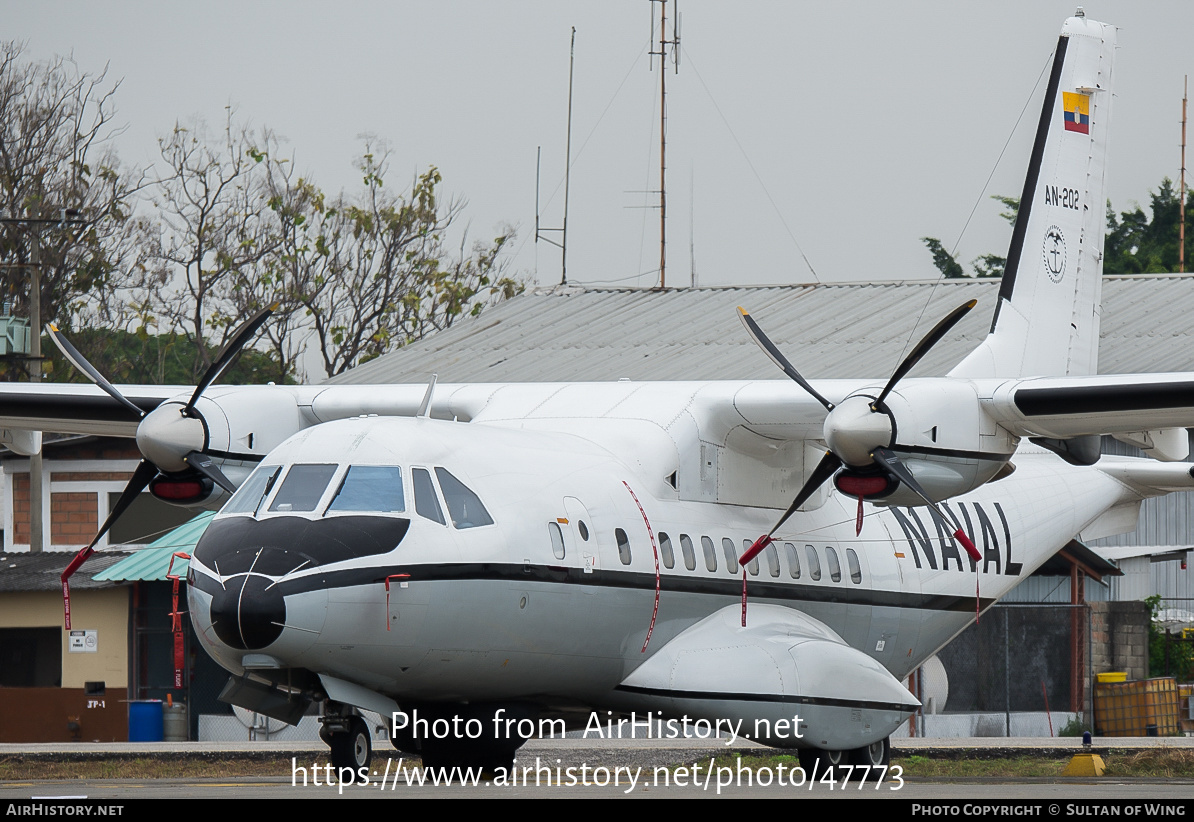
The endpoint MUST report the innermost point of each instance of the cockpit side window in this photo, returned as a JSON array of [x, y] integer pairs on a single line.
[[248, 497], [370, 488], [302, 488], [464, 506], [426, 504]]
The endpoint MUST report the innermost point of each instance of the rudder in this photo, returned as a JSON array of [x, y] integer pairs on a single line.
[[1046, 320]]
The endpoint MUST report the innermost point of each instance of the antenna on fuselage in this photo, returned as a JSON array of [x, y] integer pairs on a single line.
[[425, 405]]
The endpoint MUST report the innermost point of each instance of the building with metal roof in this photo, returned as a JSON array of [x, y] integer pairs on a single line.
[[834, 330]]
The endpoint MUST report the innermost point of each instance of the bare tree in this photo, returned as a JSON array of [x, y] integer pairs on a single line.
[[371, 272], [56, 134], [216, 229]]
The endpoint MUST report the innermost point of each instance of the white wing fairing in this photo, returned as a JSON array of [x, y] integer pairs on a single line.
[[540, 549]]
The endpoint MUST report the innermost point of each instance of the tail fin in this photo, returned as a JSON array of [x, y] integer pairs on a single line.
[[1046, 321]]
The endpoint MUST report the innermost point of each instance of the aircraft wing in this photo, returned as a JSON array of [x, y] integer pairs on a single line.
[[1065, 407], [77, 409]]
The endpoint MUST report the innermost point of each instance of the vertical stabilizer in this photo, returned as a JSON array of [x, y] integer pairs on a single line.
[[1046, 320]]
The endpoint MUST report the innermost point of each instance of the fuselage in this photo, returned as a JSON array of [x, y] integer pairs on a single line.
[[524, 565]]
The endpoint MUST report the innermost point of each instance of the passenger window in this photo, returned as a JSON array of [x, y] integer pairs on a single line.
[[623, 545], [855, 568], [727, 548], [666, 552], [557, 539], [710, 554], [689, 553], [753, 565], [772, 555], [814, 563], [835, 568], [303, 487], [248, 497], [793, 560], [464, 506], [426, 504], [370, 488]]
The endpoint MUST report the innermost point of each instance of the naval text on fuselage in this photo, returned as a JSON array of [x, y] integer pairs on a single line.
[[636, 726]]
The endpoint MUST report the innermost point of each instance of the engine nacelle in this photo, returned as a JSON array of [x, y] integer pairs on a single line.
[[940, 432]]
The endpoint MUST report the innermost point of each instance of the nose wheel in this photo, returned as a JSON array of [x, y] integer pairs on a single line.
[[350, 748]]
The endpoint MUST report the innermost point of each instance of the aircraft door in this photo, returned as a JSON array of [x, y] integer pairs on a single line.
[[580, 536]]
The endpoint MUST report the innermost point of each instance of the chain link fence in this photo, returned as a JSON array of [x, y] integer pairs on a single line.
[[1021, 670]]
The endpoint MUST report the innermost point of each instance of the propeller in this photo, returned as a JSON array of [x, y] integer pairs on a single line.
[[858, 432], [161, 435]]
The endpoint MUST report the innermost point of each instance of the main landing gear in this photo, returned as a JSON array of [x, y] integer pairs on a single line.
[[347, 734], [818, 762]]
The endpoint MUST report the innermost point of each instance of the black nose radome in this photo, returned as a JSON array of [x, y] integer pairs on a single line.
[[247, 614]]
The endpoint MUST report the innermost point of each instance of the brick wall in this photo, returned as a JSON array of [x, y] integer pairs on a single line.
[[20, 509], [74, 517], [1119, 638]]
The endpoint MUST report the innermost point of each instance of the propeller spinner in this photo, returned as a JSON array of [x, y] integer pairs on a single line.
[[172, 438], [859, 432]]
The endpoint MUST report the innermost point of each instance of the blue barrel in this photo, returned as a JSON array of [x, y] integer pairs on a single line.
[[145, 720]]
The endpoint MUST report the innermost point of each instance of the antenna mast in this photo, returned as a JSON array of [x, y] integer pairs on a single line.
[[664, 43], [1181, 242], [563, 242]]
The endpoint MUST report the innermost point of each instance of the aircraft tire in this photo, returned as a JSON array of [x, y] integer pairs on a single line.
[[352, 749], [877, 754], [817, 762]]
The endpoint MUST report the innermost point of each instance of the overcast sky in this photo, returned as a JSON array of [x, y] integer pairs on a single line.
[[851, 129]]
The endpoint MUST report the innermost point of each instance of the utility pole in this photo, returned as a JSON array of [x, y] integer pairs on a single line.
[[664, 43], [1181, 232], [69, 217]]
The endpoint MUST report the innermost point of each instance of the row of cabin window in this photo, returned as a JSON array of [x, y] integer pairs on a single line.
[[770, 553], [364, 488]]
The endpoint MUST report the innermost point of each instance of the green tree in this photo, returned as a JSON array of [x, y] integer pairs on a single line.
[[1137, 243], [1167, 656], [371, 272], [139, 358], [984, 266]]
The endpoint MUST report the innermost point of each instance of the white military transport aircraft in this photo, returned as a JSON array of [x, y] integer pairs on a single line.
[[554, 550]]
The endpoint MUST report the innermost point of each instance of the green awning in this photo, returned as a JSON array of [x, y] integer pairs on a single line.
[[152, 561]]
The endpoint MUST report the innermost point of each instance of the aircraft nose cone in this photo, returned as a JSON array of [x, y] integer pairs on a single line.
[[247, 614], [853, 430], [166, 435]]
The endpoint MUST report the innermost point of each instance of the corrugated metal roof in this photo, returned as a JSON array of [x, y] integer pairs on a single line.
[[43, 571], [838, 330], [152, 561]]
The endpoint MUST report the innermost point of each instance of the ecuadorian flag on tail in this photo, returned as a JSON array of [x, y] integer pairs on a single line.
[[1077, 111]]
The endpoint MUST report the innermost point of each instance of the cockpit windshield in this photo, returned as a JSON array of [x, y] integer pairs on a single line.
[[370, 488], [248, 497], [303, 487]]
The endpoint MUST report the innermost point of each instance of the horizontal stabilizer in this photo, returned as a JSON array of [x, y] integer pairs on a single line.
[[1064, 407]]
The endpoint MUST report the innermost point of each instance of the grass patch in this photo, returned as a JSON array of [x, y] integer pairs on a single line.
[[16, 769], [1155, 763]]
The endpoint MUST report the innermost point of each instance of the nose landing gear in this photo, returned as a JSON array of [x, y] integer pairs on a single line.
[[347, 734]]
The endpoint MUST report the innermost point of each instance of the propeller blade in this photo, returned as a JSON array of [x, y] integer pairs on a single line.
[[145, 472], [932, 338], [889, 462], [228, 353], [761, 340], [824, 470], [80, 362], [204, 465]]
